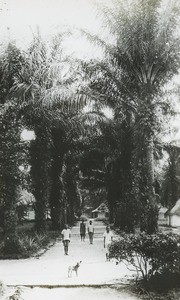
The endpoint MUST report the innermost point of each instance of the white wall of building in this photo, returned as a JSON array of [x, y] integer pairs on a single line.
[[174, 221]]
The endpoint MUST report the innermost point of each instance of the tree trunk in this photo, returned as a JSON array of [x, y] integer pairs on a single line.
[[112, 200], [152, 210], [72, 191], [57, 196], [10, 221], [150, 171], [10, 153], [40, 169], [57, 200], [73, 198]]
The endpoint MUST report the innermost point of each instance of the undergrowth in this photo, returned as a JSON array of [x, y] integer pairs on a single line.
[[29, 244]]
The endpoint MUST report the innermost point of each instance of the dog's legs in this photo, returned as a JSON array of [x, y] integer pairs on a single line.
[[69, 272]]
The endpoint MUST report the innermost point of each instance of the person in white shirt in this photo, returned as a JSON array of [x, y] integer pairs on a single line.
[[91, 232], [66, 235], [108, 237]]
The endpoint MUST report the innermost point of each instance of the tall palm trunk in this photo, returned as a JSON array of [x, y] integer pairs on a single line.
[[57, 195], [150, 170], [10, 219], [143, 171], [152, 210], [40, 168], [112, 196], [72, 191], [9, 177], [125, 212], [173, 172]]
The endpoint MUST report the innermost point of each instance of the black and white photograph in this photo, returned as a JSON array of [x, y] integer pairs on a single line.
[[90, 149]]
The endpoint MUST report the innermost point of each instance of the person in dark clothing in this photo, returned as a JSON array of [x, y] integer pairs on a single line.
[[82, 231]]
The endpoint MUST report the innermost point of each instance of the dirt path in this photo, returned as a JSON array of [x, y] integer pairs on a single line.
[[97, 278], [51, 268]]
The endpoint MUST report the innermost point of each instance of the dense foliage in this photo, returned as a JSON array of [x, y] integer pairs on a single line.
[[28, 244], [143, 57], [148, 254], [11, 154], [41, 89]]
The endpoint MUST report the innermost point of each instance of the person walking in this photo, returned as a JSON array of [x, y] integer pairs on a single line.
[[66, 235], [91, 232], [82, 230], [108, 237]]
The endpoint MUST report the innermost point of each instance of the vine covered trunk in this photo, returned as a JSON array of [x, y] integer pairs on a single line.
[[40, 168], [57, 195]]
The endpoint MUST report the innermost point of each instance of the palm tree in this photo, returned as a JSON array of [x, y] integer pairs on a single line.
[[142, 59], [46, 90]]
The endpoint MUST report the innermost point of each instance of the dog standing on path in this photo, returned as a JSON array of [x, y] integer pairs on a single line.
[[74, 268]]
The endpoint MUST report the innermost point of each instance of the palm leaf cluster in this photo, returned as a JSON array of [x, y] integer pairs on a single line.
[[62, 100], [142, 57], [44, 87]]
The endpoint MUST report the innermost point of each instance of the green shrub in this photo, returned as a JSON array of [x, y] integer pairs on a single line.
[[148, 254], [28, 245], [24, 245], [33, 243], [42, 239], [11, 245]]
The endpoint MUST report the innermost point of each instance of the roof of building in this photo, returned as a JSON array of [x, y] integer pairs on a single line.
[[176, 209], [163, 210]]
